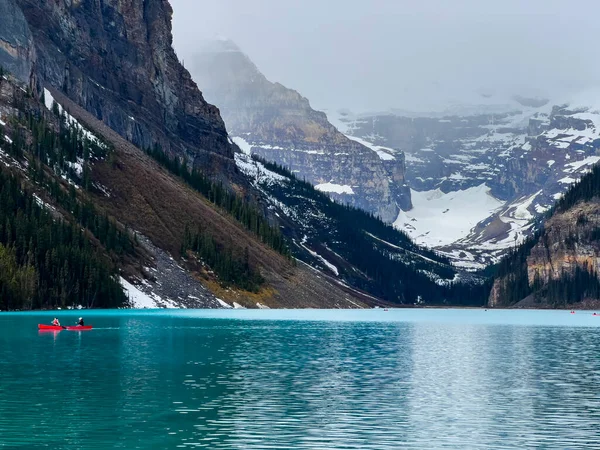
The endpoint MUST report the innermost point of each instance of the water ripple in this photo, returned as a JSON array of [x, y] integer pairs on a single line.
[[176, 382]]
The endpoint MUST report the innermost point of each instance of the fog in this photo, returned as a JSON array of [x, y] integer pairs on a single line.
[[405, 54]]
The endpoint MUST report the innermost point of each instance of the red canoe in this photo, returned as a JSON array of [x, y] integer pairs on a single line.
[[54, 328]]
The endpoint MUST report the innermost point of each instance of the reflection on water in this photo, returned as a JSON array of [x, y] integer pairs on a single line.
[[168, 381]]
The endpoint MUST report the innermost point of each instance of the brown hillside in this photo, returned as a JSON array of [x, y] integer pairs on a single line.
[[150, 200]]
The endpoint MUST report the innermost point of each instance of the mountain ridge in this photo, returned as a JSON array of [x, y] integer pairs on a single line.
[[116, 59], [280, 125], [527, 156], [197, 217]]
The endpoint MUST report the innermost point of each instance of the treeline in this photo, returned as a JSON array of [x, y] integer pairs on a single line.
[[403, 282], [241, 209], [47, 263], [571, 288], [512, 270], [402, 275], [113, 238], [67, 151], [231, 269], [350, 216], [586, 188], [60, 151]]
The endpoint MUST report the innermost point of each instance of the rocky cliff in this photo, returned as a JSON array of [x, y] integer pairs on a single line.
[[569, 241], [112, 87], [559, 265], [520, 157], [115, 59], [279, 124], [16, 43]]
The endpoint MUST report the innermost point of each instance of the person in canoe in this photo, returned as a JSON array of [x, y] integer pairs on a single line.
[[80, 322], [55, 322]]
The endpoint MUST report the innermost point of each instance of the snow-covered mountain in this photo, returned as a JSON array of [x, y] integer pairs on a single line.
[[354, 248], [279, 124], [484, 174]]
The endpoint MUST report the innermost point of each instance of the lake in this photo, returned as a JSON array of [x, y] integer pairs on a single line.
[[308, 379]]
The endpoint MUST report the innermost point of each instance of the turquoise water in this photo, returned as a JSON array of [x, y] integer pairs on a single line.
[[422, 379]]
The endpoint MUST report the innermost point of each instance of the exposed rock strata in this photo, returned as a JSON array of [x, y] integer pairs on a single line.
[[569, 241], [115, 59], [280, 125], [17, 52]]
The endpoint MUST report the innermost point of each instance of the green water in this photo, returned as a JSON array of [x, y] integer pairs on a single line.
[[422, 379]]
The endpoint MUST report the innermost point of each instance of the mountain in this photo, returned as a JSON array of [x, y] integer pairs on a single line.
[[486, 172], [279, 124], [357, 248], [111, 148], [115, 59], [16, 43], [558, 265]]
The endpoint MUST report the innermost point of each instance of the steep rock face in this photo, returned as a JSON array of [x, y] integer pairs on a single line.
[[115, 59], [569, 242], [278, 124], [16, 43], [565, 244]]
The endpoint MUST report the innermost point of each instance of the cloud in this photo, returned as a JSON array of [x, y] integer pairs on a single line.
[[420, 55]]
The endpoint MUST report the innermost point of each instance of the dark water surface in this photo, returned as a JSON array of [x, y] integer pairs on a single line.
[[422, 379]]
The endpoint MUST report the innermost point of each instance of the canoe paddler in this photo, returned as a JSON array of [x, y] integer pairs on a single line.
[[55, 322], [80, 322]]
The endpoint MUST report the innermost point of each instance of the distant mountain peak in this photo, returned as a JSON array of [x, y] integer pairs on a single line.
[[279, 124], [218, 44]]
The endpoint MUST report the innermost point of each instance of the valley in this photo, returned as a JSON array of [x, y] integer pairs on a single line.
[[488, 172], [225, 189], [200, 222]]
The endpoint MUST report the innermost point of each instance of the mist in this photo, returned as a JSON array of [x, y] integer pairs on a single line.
[[382, 54]]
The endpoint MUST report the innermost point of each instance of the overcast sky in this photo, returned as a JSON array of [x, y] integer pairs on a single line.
[[407, 54]]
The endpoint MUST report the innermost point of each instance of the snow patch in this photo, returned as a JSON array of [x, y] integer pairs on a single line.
[[244, 146], [76, 166], [141, 300], [330, 266], [409, 157], [522, 208], [49, 101], [42, 203], [337, 188], [384, 153], [439, 218], [137, 298], [224, 304], [567, 180], [257, 170], [574, 166]]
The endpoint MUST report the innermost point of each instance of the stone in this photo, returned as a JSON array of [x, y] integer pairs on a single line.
[[17, 54], [115, 59]]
